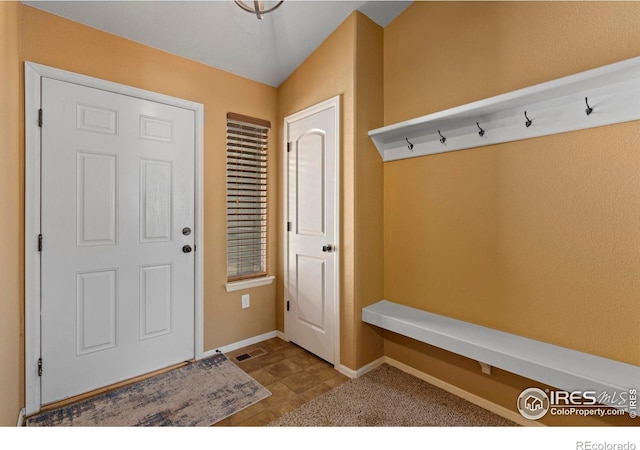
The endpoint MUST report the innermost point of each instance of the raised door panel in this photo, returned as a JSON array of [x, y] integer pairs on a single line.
[[310, 291], [97, 119], [156, 200], [96, 199], [97, 311], [310, 186], [156, 129], [156, 294]]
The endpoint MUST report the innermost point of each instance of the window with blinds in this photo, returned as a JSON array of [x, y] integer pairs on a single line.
[[247, 143]]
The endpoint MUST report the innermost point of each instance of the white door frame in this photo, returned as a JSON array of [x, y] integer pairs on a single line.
[[333, 102], [33, 76]]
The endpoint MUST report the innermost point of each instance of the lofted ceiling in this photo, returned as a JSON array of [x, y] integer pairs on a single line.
[[220, 34]]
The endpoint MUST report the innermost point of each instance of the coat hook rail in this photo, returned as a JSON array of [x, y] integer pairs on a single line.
[[589, 109], [410, 146], [609, 94]]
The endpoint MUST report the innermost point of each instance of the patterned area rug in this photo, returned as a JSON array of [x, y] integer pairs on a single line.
[[199, 394], [386, 396]]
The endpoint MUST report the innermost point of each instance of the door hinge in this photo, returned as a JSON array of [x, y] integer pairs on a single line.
[[39, 367], [40, 117], [287, 305], [288, 226], [39, 242], [288, 146]]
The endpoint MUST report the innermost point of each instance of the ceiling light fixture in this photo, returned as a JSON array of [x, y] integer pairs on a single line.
[[258, 7]]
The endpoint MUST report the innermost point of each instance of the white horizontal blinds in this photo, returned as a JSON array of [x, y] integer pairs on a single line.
[[247, 143]]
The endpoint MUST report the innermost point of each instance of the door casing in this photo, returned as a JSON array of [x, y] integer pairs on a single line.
[[33, 76], [333, 102]]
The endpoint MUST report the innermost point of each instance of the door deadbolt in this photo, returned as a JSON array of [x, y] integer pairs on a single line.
[[186, 249], [186, 231]]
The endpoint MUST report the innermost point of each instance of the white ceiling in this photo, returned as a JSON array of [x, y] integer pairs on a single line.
[[220, 34]]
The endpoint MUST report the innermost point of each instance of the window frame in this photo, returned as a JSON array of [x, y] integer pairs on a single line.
[[236, 123]]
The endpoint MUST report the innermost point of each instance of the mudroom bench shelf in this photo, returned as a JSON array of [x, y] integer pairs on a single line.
[[560, 367]]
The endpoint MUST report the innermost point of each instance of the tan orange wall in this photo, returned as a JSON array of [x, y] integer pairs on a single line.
[[11, 222], [536, 237], [368, 181], [349, 64]]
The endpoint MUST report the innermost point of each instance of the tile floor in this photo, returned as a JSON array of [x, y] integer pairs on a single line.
[[292, 375]]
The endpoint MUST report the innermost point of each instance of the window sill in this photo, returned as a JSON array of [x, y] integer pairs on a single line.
[[248, 284]]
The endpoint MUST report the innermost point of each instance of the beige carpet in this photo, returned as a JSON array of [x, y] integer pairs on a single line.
[[387, 396], [198, 394]]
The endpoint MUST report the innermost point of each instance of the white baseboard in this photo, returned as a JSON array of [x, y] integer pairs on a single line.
[[240, 344], [281, 335], [21, 418], [346, 371], [362, 370], [468, 396]]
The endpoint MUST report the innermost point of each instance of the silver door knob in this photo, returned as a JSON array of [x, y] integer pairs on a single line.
[[328, 248], [186, 249]]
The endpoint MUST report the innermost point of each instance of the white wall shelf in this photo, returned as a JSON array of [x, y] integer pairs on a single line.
[[557, 106], [560, 367]]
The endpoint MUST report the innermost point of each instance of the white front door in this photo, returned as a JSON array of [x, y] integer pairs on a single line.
[[312, 290], [117, 210]]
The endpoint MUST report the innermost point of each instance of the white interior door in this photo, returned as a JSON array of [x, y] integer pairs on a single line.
[[117, 200], [312, 290]]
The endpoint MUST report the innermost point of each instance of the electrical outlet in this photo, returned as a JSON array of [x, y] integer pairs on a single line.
[[246, 302]]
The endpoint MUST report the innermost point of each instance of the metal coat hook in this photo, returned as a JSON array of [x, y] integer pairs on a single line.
[[481, 132], [442, 138], [589, 109], [410, 146], [528, 122]]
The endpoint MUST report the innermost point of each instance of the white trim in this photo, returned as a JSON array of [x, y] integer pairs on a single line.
[[285, 224], [248, 284], [33, 76], [281, 335], [362, 370], [244, 343], [557, 106], [333, 102], [198, 109], [20, 418], [32, 230], [344, 370], [466, 395], [209, 353]]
